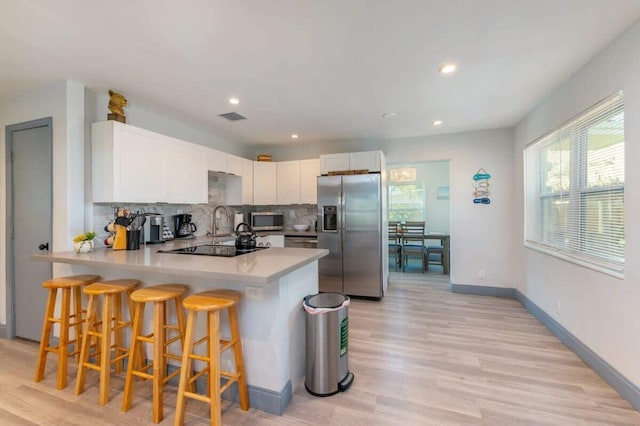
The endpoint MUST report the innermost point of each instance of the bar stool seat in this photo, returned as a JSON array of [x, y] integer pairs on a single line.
[[159, 295], [211, 302], [111, 323], [68, 286]]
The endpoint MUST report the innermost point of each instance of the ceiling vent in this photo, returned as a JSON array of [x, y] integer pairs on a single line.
[[233, 116]]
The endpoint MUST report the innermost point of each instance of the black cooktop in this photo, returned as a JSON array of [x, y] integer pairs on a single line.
[[212, 250]]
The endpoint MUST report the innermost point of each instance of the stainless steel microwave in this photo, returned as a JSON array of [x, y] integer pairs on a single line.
[[267, 221]]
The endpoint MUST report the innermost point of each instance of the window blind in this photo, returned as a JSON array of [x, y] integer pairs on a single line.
[[575, 187]]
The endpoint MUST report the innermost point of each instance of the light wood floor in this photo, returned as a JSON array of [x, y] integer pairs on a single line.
[[422, 356]]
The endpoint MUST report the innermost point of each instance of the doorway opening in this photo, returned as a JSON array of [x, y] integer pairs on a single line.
[[418, 193]]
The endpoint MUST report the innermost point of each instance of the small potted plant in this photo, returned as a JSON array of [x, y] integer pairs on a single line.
[[83, 243]]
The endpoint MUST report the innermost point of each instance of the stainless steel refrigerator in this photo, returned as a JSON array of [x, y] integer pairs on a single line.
[[350, 226]]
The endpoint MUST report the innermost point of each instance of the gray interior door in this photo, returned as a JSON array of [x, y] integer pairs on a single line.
[[32, 222]]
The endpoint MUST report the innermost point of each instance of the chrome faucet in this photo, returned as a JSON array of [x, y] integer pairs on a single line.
[[214, 226]]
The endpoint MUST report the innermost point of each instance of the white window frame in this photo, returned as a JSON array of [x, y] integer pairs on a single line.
[[578, 222]]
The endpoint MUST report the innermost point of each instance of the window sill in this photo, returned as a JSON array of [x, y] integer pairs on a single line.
[[602, 268]]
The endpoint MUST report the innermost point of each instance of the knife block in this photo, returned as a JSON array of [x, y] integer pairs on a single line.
[[120, 240]]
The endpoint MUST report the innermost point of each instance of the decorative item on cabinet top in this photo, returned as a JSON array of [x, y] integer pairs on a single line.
[[117, 102], [264, 157], [348, 172]]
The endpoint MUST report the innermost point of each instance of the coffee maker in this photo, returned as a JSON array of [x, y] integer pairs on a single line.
[[183, 226], [153, 229]]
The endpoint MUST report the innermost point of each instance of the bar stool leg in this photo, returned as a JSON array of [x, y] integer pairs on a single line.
[[63, 342], [105, 364], [89, 327], [186, 365], [77, 303], [46, 334], [117, 332], [181, 325], [237, 354], [213, 348], [159, 360], [134, 353]]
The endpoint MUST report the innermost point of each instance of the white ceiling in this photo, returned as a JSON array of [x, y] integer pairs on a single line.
[[326, 70]]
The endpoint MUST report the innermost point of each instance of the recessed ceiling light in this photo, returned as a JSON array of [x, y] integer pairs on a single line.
[[294, 136], [447, 68], [388, 114], [234, 101], [437, 122]]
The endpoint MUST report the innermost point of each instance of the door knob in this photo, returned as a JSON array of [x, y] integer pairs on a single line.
[[43, 246]]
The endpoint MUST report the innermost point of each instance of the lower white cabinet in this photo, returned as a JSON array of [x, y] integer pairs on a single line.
[[264, 183], [273, 240]]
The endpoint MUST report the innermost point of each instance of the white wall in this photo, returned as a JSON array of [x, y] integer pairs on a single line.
[[602, 311], [480, 238], [64, 102], [164, 124]]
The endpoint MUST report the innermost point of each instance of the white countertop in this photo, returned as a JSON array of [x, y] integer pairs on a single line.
[[259, 267]]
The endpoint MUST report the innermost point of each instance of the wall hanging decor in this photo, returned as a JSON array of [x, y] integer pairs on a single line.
[[481, 187]]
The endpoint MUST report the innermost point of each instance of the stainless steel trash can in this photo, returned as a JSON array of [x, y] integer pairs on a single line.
[[327, 344]]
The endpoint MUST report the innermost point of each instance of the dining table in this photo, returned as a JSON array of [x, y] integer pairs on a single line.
[[444, 239]]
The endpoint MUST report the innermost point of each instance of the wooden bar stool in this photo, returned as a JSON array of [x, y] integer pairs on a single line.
[[68, 286], [111, 322], [211, 302], [158, 295]]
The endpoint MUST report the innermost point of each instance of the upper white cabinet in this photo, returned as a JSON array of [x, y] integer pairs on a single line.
[[186, 177], [130, 164], [239, 189], [215, 160], [264, 183], [309, 172], [334, 162], [288, 182], [366, 160], [235, 164]]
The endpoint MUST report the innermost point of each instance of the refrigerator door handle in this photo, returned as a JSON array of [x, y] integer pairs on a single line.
[[341, 215]]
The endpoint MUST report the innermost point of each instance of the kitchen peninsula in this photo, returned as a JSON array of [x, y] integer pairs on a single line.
[[274, 282]]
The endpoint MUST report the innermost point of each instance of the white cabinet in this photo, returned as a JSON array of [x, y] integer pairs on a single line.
[[215, 160], [128, 164], [334, 162], [366, 160], [264, 183], [273, 240], [234, 164], [247, 181], [133, 165], [186, 179], [288, 182], [239, 189], [309, 172]]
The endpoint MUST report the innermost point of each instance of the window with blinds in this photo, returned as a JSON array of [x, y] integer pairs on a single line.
[[574, 186]]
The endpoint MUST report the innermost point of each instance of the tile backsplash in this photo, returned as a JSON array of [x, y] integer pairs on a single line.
[[203, 214]]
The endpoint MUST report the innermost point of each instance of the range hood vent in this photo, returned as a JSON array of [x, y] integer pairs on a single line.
[[233, 116]]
